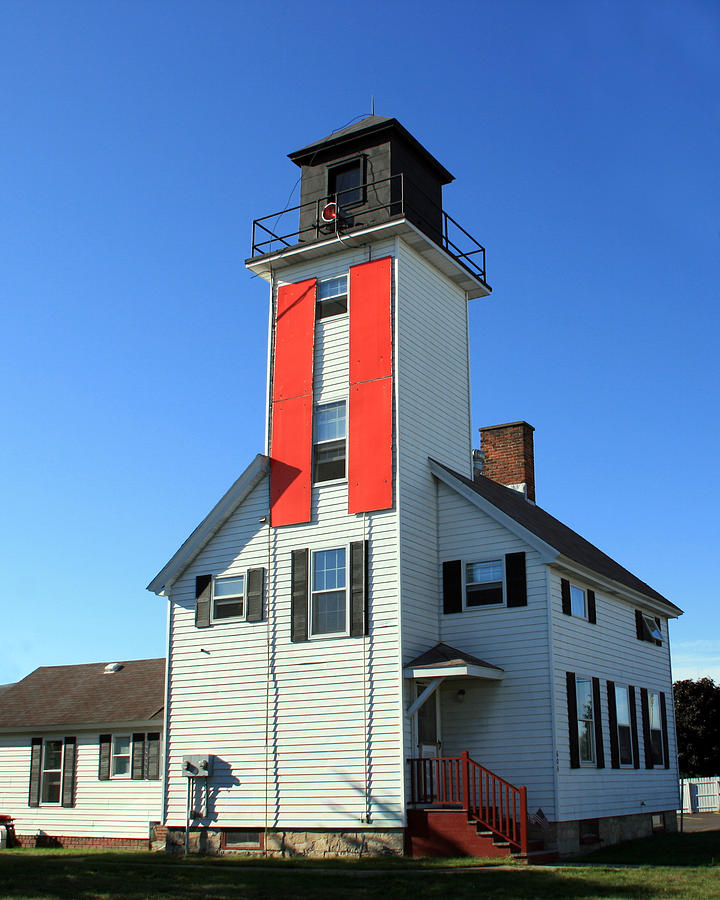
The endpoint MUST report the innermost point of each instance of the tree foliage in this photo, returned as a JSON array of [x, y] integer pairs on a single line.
[[697, 712]]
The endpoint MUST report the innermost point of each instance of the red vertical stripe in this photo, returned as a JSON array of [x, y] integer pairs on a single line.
[[292, 404], [370, 434]]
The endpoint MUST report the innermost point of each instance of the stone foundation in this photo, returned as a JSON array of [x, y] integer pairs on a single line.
[[611, 830], [313, 843]]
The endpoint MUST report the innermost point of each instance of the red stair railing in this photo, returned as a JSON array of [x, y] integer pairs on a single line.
[[459, 781]]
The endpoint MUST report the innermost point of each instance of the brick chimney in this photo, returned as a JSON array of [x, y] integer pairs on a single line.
[[508, 456]]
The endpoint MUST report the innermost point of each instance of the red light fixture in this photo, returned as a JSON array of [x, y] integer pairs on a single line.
[[329, 213]]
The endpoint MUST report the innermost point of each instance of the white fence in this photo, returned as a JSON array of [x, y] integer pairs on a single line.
[[701, 794]]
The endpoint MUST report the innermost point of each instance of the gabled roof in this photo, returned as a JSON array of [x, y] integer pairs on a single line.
[[85, 695], [370, 126], [448, 656], [212, 522], [552, 532]]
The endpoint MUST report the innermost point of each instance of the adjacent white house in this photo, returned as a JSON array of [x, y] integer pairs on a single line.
[[377, 640], [81, 754]]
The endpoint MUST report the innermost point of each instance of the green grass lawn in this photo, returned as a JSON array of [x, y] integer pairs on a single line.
[[48, 874]]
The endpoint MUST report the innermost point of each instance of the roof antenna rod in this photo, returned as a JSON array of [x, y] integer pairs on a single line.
[[372, 105]]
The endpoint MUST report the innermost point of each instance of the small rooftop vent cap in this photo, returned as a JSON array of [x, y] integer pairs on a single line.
[[112, 667]]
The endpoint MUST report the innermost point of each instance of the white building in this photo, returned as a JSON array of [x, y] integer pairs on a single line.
[[81, 754], [361, 597]]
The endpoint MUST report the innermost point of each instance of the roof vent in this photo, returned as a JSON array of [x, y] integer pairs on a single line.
[[112, 667]]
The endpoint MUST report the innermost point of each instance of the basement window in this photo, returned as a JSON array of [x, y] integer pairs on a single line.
[[589, 831], [331, 297], [658, 823], [240, 839]]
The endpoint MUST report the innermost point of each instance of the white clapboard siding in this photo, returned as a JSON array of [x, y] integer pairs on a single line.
[[118, 808], [330, 707], [504, 725], [432, 389], [610, 650]]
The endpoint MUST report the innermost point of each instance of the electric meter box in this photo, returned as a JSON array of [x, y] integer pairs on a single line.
[[197, 766]]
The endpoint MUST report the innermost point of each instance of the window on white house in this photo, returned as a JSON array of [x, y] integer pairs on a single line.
[[120, 761], [329, 444], [484, 583], [331, 297], [329, 592], [622, 708], [228, 597], [51, 774], [578, 602], [585, 721], [656, 738], [650, 629]]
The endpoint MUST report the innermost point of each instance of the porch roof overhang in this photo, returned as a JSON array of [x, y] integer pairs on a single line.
[[444, 661]]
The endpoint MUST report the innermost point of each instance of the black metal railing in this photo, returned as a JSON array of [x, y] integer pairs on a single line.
[[381, 200]]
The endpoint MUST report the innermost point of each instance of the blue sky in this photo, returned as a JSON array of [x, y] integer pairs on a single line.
[[140, 139]]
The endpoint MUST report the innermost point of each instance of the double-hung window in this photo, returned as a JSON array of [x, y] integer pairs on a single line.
[[624, 727], [51, 773], [484, 583], [656, 735], [585, 720], [331, 297], [228, 597], [328, 595], [329, 444], [578, 602], [120, 762]]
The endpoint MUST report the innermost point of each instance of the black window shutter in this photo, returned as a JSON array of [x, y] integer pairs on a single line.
[[452, 586], [137, 772], [299, 605], [573, 721], [255, 591], [634, 728], [645, 713], [592, 616], [358, 588], [68, 774], [663, 719], [104, 763], [639, 625], [35, 761], [516, 579], [659, 628], [203, 599], [597, 722], [153, 756], [612, 723], [565, 593]]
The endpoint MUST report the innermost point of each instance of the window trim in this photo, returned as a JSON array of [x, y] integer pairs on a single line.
[[44, 771], [114, 776], [360, 159], [659, 729], [219, 620], [320, 300], [327, 443], [629, 726], [311, 594], [586, 763], [503, 584]]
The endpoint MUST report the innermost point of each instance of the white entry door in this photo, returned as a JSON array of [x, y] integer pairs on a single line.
[[428, 723]]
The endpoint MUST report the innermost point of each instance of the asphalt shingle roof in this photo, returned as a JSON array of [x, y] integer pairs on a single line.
[[85, 695], [549, 529]]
